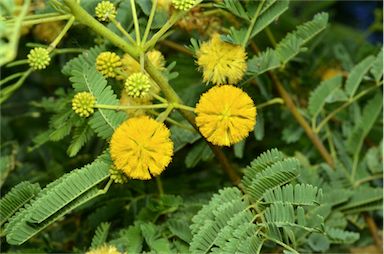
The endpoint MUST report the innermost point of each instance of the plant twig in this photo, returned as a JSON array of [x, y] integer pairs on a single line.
[[374, 231]]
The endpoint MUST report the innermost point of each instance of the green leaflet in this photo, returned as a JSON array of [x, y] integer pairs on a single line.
[[86, 59], [357, 74], [56, 199], [299, 194], [101, 235], [319, 96], [377, 67], [370, 113], [103, 121], [288, 47], [16, 198]]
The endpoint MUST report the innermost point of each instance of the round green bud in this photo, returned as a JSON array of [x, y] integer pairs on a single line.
[[105, 11], [183, 5], [107, 63], [137, 85], [38, 58], [118, 176], [83, 103]]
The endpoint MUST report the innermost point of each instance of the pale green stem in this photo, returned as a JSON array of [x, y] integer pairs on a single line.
[[67, 50], [185, 107], [281, 244], [106, 188], [122, 30], [135, 22], [158, 97], [18, 62], [161, 118], [46, 20], [270, 102], [11, 77], [173, 19], [150, 20], [346, 104], [67, 26], [36, 16], [367, 179], [251, 26], [6, 92], [123, 107], [271, 37], [174, 122]]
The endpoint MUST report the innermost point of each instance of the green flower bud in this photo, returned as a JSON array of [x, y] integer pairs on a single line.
[[118, 176], [105, 11], [38, 58], [137, 85], [83, 104], [183, 5]]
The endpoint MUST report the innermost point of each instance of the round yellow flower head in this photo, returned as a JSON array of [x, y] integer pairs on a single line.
[[105, 249], [38, 58], [183, 5], [107, 63], [225, 115], [82, 104], [141, 147], [222, 62], [118, 176], [105, 11], [157, 59], [137, 85]]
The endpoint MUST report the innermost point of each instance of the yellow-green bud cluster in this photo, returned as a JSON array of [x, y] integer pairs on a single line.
[[183, 5], [38, 58], [107, 63], [137, 85], [118, 176], [105, 11], [83, 103]]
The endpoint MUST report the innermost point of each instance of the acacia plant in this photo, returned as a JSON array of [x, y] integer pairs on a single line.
[[130, 146]]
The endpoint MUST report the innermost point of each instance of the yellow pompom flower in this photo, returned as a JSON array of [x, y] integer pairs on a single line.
[[221, 62], [82, 104], [105, 249], [183, 5], [38, 58], [141, 147], [105, 11], [107, 63], [225, 115], [157, 59]]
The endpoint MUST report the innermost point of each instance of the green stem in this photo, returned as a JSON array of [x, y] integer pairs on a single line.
[[271, 37], [158, 97], [185, 107], [367, 179], [122, 30], [18, 62], [281, 244], [346, 104], [46, 20], [161, 118], [270, 102], [150, 20], [7, 92], [123, 107], [68, 50], [173, 19], [174, 122], [135, 22], [11, 77], [36, 16], [251, 26], [67, 26], [159, 186]]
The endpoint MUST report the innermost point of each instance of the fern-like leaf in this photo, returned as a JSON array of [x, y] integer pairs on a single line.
[[235, 7], [86, 59], [357, 74], [319, 96], [299, 194], [275, 175], [101, 235], [339, 236], [81, 136], [16, 198], [103, 121]]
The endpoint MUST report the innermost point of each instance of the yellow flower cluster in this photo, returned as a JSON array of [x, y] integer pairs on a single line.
[[221, 62], [225, 115], [141, 147], [105, 11], [105, 249], [38, 58], [183, 5], [83, 103], [107, 63]]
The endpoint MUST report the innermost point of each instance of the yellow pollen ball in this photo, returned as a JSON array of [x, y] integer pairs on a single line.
[[141, 147], [225, 115], [221, 62]]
